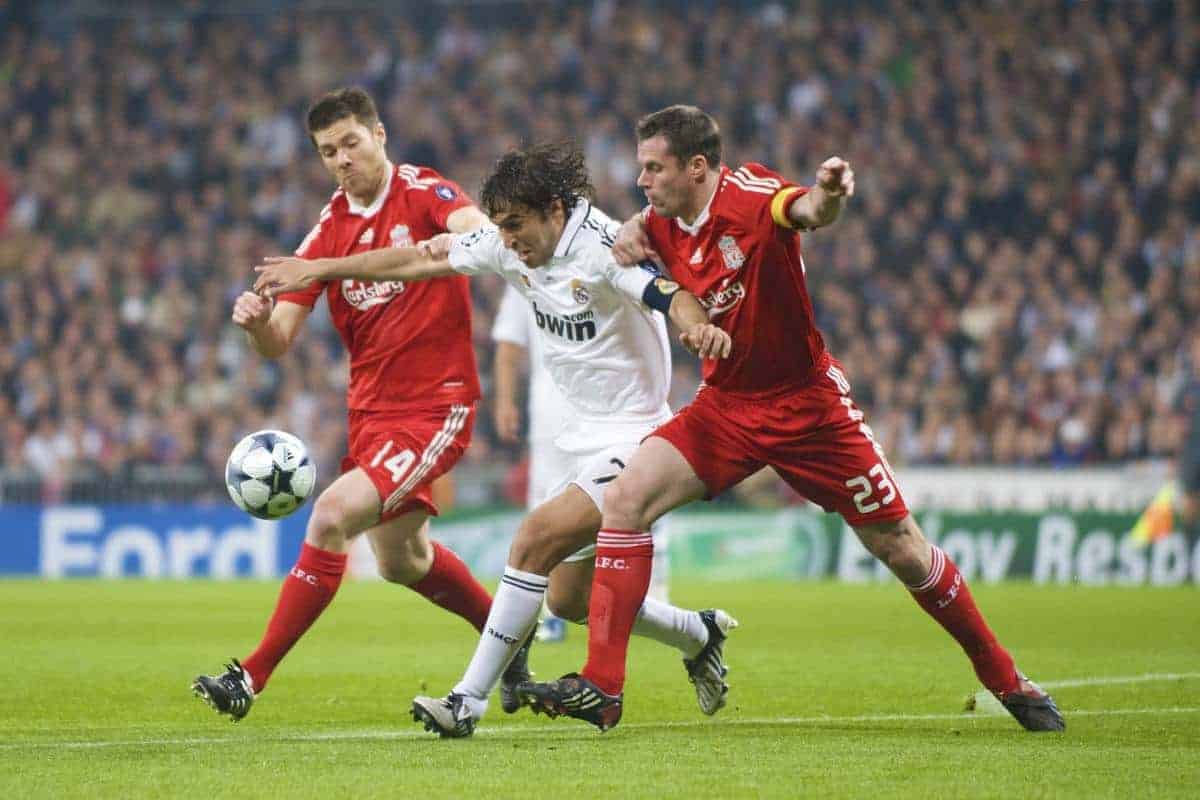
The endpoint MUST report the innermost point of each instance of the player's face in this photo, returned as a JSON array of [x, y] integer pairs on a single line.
[[355, 156], [668, 185], [531, 234]]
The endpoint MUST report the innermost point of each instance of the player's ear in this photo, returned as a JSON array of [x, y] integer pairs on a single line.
[[380, 134], [697, 166]]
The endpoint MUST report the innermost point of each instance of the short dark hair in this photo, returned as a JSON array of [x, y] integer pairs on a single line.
[[688, 131], [352, 101], [536, 176]]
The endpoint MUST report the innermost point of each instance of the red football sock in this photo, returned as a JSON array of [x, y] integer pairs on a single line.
[[451, 585], [306, 592], [618, 588], [945, 597]]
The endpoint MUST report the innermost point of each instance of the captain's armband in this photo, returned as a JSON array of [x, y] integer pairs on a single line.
[[781, 203], [658, 294]]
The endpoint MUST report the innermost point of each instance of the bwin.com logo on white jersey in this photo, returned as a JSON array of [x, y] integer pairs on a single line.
[[733, 255]]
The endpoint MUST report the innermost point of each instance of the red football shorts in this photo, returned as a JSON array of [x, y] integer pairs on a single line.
[[404, 452], [815, 438]]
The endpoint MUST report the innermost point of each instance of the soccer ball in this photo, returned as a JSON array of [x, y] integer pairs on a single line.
[[269, 474]]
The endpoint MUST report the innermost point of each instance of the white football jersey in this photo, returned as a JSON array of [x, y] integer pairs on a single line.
[[606, 351]]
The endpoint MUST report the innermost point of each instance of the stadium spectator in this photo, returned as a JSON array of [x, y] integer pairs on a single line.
[[1026, 245]]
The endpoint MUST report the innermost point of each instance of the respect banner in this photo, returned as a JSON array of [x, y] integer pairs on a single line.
[[1092, 548]]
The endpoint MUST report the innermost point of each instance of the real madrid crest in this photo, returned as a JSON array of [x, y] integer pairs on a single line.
[[580, 292]]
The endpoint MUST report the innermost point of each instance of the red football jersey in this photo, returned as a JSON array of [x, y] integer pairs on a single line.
[[410, 344], [745, 267]]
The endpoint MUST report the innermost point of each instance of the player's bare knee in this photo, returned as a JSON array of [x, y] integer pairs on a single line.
[[327, 527], [541, 542], [625, 505], [521, 553], [530, 549]]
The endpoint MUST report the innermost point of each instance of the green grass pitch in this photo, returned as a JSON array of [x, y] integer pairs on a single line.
[[837, 691]]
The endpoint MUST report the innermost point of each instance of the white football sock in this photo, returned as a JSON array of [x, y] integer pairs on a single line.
[[514, 612], [476, 706], [677, 627]]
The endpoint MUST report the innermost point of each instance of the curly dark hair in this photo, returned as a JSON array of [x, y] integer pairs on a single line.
[[536, 176]]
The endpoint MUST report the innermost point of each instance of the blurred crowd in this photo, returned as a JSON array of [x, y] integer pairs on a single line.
[[1016, 281]]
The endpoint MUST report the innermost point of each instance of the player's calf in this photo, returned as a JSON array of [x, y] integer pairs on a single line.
[[345, 509], [568, 603], [900, 545]]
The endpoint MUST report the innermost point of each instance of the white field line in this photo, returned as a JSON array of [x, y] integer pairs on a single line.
[[556, 729], [1148, 677], [985, 703]]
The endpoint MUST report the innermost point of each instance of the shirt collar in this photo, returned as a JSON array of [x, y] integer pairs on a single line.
[[702, 217], [380, 199], [578, 215]]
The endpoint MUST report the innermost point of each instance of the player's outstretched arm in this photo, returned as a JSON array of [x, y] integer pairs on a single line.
[[696, 333], [466, 219], [279, 274], [269, 331], [825, 200]]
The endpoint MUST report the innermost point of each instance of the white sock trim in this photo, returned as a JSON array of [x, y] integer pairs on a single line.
[[528, 581], [937, 568]]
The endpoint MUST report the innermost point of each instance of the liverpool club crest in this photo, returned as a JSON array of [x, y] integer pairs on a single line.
[[400, 236], [733, 255]]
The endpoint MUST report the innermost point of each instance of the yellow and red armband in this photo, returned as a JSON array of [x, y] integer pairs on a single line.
[[780, 204]]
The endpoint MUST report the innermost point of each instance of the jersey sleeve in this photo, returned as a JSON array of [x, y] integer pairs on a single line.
[[477, 252], [315, 245], [436, 196], [512, 319], [782, 193], [632, 281]]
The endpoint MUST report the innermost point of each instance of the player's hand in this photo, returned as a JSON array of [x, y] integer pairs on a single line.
[[508, 421], [437, 247], [836, 177], [251, 311], [707, 341], [633, 245], [279, 274]]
